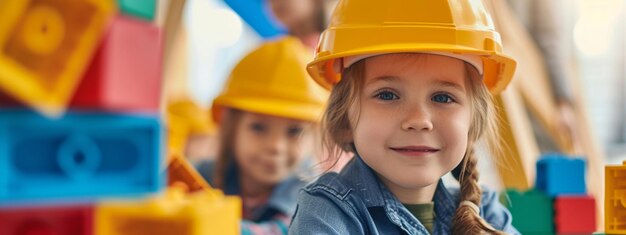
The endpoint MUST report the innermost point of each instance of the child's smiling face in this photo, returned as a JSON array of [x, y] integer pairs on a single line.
[[268, 148], [414, 116]]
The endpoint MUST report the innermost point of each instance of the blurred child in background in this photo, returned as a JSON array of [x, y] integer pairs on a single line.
[[266, 115]]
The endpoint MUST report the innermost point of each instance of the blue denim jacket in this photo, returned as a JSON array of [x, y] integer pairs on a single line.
[[356, 202]]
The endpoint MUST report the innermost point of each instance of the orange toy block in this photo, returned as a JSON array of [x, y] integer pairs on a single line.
[[179, 171], [615, 199], [45, 47]]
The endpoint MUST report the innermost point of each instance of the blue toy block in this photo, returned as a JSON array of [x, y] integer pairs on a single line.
[[561, 175], [80, 156], [257, 15]]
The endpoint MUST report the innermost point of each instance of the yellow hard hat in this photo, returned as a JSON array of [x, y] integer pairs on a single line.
[[370, 27], [273, 80]]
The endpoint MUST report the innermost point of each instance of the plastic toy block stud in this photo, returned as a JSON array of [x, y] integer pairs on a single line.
[[139, 8], [179, 171], [203, 212], [615, 199], [532, 211], [46, 220], [125, 75], [82, 156], [575, 214], [560, 175], [46, 45]]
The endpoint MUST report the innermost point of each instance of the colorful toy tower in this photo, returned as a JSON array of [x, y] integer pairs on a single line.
[[81, 136]]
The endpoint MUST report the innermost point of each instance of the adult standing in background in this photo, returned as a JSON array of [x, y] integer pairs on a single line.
[[304, 19]]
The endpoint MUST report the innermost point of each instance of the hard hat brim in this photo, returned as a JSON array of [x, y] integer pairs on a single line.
[[274, 107], [498, 68]]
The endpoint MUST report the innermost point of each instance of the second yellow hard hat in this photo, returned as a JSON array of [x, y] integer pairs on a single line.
[[273, 80]]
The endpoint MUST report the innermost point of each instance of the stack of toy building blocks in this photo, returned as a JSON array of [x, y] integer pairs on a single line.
[[559, 203], [81, 138]]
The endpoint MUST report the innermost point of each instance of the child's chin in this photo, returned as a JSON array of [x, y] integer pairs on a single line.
[[417, 182], [273, 179]]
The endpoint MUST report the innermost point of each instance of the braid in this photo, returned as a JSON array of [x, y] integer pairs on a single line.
[[467, 219]]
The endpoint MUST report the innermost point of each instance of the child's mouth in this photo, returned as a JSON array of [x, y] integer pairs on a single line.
[[415, 150]]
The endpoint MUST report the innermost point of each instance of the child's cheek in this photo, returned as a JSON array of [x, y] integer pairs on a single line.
[[299, 150]]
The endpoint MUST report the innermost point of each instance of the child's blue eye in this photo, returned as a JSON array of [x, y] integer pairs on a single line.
[[386, 95], [294, 131], [442, 98], [258, 127]]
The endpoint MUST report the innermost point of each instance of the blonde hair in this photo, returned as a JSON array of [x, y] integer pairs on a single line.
[[336, 136]]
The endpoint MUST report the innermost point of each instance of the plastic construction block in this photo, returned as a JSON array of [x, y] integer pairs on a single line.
[[81, 156], [257, 15], [575, 214], [125, 75], [615, 199], [179, 171], [561, 175], [75, 220], [45, 47], [143, 9], [203, 212], [532, 211]]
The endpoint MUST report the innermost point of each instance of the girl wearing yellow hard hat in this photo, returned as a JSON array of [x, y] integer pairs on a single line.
[[411, 94], [266, 113]]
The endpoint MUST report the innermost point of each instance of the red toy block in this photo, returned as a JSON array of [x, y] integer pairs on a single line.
[[74, 220], [575, 214], [125, 74]]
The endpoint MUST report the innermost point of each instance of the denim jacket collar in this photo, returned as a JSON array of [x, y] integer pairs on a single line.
[[375, 194]]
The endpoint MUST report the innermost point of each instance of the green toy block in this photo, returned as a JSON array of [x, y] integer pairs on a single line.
[[143, 9], [532, 211]]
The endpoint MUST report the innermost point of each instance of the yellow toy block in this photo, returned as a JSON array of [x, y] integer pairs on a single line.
[[46, 45], [184, 119], [179, 171], [615, 199], [203, 212]]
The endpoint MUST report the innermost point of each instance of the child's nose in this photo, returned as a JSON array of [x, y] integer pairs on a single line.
[[417, 119], [277, 143]]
